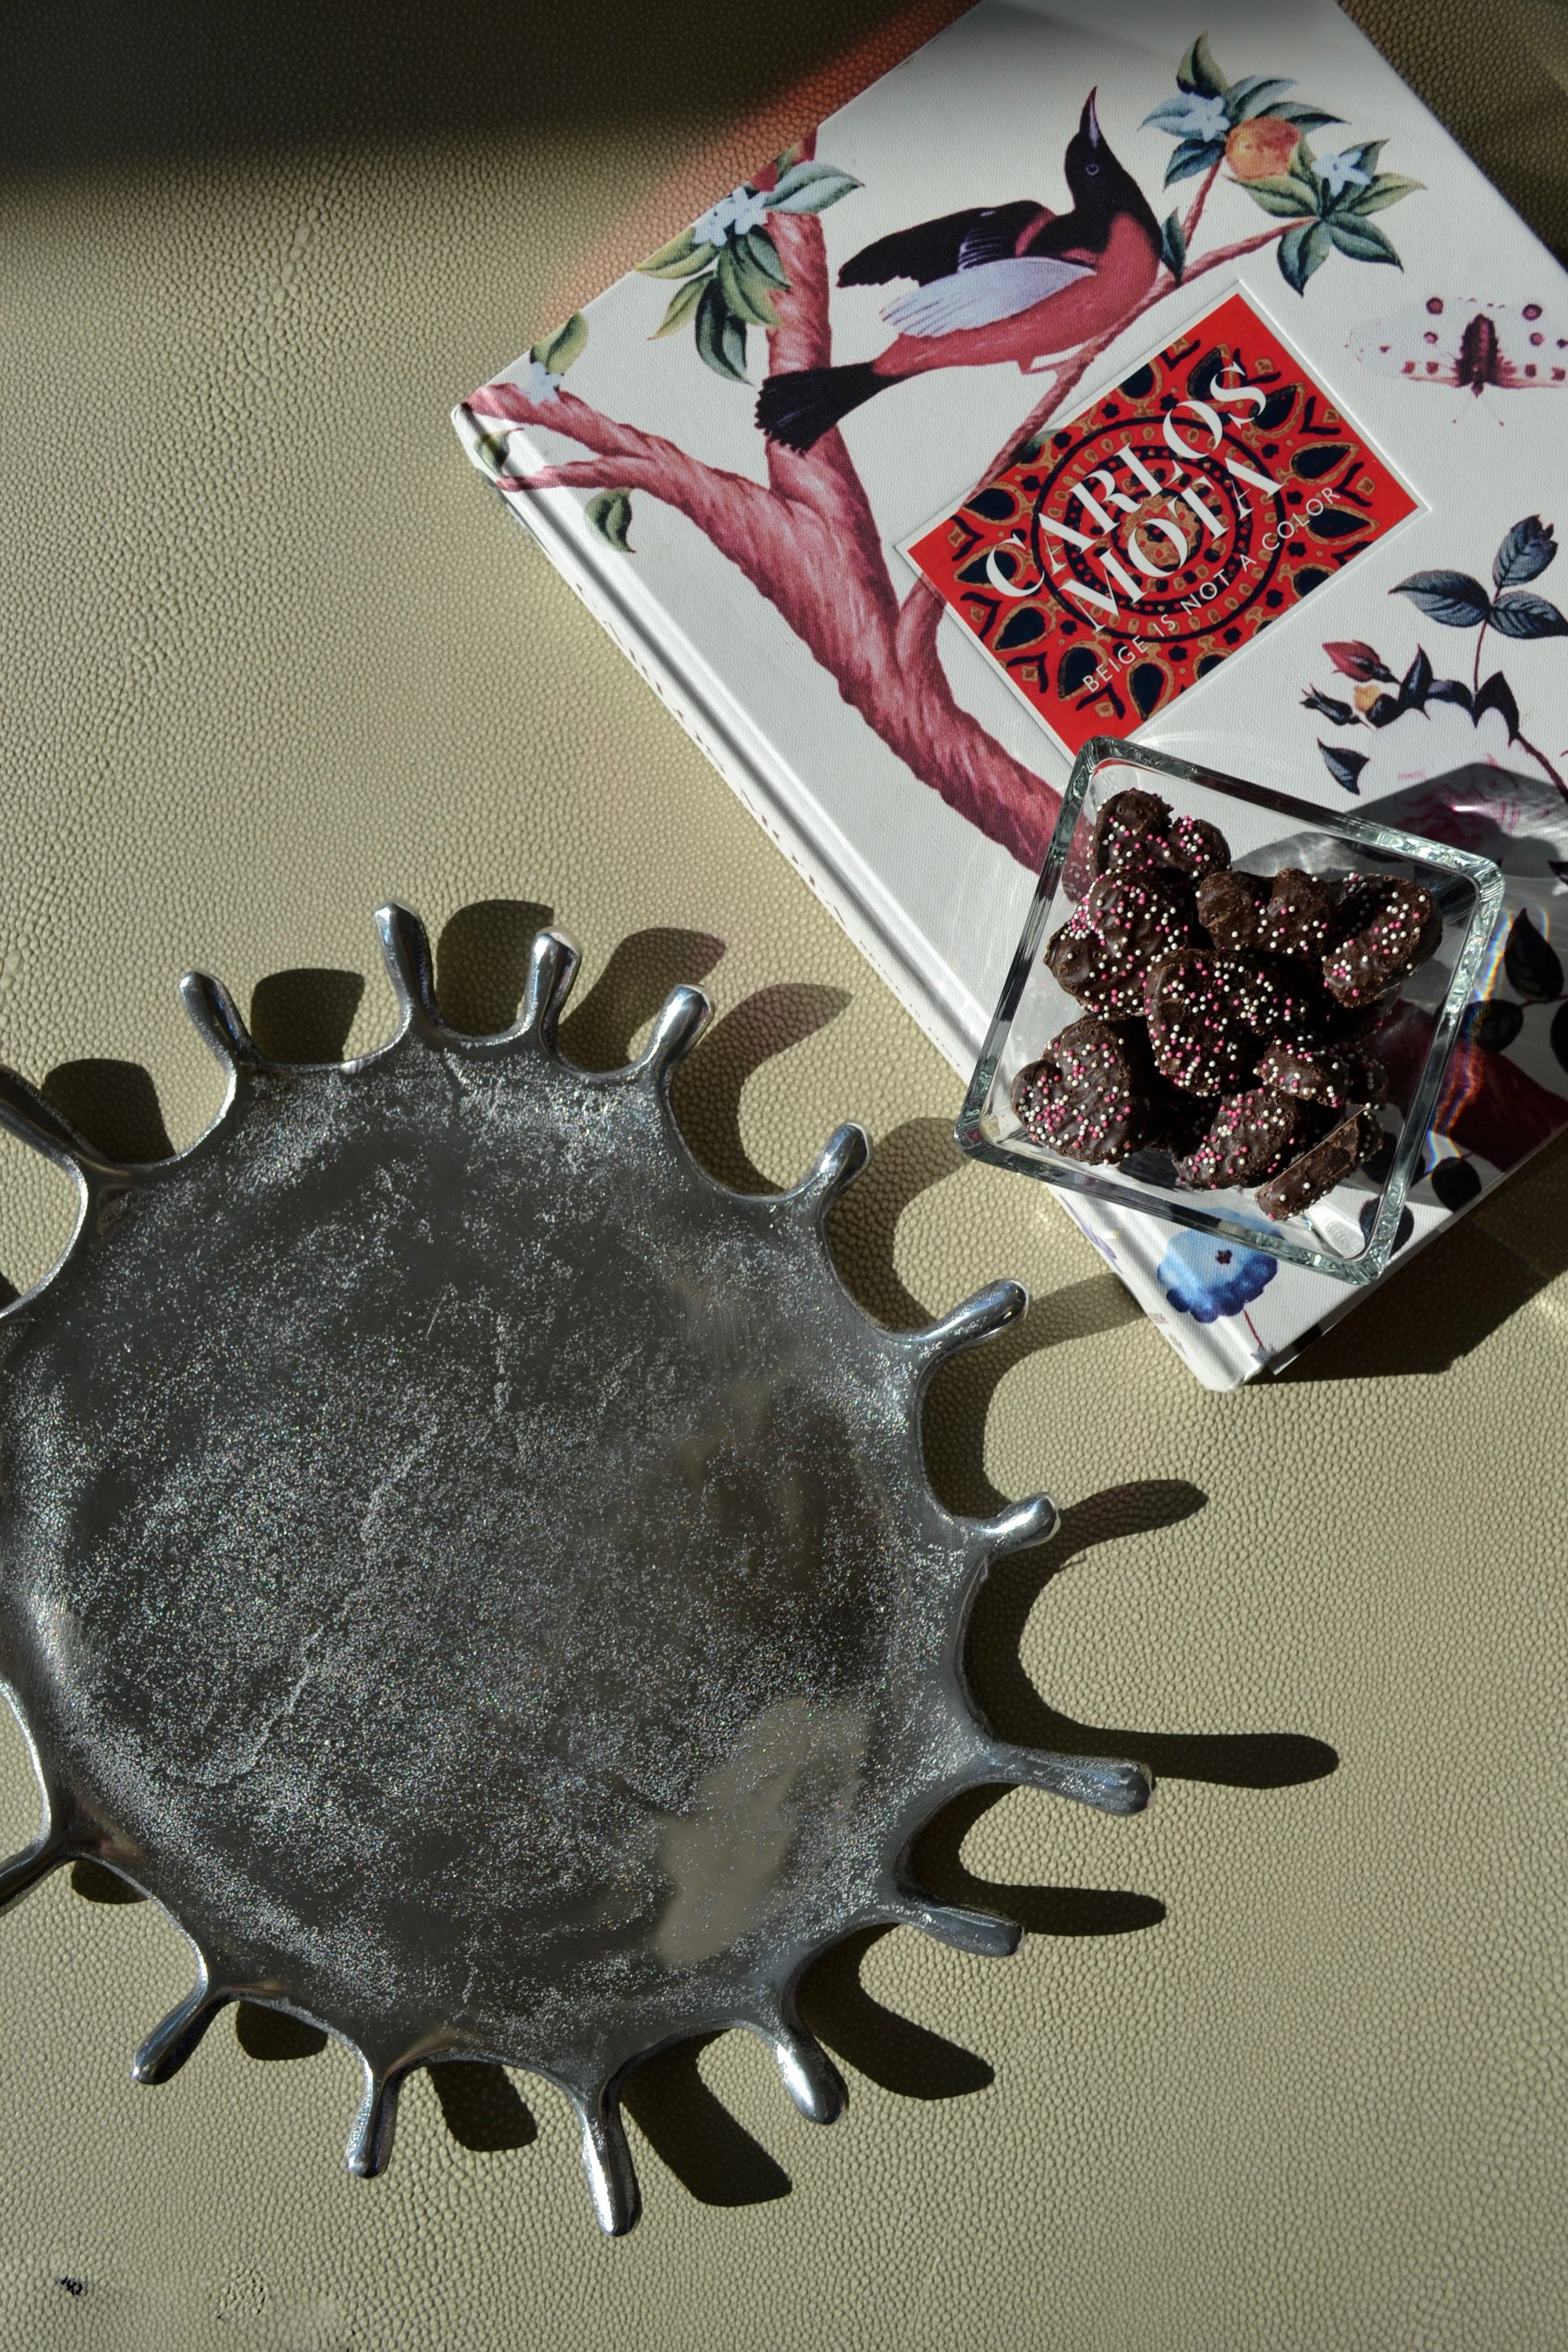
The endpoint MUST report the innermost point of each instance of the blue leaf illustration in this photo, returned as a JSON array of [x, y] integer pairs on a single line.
[[1522, 614], [1492, 1025], [1449, 689], [1525, 552], [1416, 683], [1192, 156], [1533, 967], [1170, 115], [1451, 597], [1344, 766], [1496, 694], [1341, 713]]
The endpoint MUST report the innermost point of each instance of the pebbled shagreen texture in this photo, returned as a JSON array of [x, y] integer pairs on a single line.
[[1281, 2060]]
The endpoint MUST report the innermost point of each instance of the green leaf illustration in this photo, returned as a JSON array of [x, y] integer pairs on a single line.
[[721, 339], [558, 350], [682, 303], [1361, 240], [745, 293], [1198, 71], [1303, 250], [610, 514], [1173, 248], [1284, 197], [679, 259], [1253, 95], [763, 254], [810, 188], [488, 450], [1386, 189], [1304, 117]]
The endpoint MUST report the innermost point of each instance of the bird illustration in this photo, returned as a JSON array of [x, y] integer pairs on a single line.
[[1012, 281]]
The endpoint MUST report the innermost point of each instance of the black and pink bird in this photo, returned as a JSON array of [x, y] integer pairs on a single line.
[[1002, 282]]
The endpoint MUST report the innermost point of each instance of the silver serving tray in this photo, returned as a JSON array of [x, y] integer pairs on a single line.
[[477, 1573]]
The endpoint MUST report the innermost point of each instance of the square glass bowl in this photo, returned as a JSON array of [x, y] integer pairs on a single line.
[[1350, 1233]]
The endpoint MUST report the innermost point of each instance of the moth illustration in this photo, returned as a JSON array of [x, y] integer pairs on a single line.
[[1457, 340]]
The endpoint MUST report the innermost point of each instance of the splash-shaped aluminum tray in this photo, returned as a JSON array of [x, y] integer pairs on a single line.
[[477, 1573]]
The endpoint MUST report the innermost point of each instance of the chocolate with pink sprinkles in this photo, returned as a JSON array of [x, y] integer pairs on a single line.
[[1091, 1094], [1226, 1012], [1125, 923]]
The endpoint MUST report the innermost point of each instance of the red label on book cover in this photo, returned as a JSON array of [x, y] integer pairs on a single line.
[[1120, 558]]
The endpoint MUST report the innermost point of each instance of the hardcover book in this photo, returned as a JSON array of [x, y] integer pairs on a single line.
[[1143, 372]]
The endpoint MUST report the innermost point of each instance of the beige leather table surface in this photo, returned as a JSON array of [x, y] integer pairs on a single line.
[[1282, 2062]]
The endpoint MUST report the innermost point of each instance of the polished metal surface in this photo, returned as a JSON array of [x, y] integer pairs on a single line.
[[477, 1573]]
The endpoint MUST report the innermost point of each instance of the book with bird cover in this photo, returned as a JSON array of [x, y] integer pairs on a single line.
[[1210, 296]]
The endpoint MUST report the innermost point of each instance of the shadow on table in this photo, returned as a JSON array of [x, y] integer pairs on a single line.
[[1427, 1314], [172, 78]]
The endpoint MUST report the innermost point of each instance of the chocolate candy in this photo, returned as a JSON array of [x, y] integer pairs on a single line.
[[1196, 850], [1135, 833], [1321, 1166], [1129, 833], [1387, 926], [1250, 1136], [1334, 1075], [1224, 1010], [1299, 917], [1124, 924], [1293, 915], [1093, 1094], [1229, 904], [1303, 1014], [1209, 1017]]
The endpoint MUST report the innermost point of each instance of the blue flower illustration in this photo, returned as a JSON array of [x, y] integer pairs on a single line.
[[1205, 1276]]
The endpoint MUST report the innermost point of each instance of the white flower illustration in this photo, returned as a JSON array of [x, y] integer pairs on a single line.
[[1193, 116], [1338, 172], [539, 384], [732, 217]]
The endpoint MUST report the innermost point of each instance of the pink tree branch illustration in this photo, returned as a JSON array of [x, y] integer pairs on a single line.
[[807, 540]]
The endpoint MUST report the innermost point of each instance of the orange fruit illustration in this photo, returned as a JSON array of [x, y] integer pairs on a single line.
[[1261, 150]]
